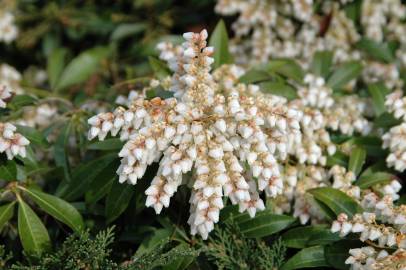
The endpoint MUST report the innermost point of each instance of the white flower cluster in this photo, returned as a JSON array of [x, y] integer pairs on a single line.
[[10, 78], [8, 30], [11, 142], [38, 116], [395, 138], [368, 258], [211, 129]]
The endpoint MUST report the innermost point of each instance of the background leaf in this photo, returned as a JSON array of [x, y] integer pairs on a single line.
[[6, 213], [118, 199], [344, 74], [306, 258], [219, 40]]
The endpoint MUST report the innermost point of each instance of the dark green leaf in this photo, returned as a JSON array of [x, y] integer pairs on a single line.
[[306, 258], [6, 213], [336, 200], [82, 67], [108, 144], [58, 208], [84, 175], [279, 89], [357, 160], [263, 224], [60, 150], [338, 158], [254, 76], [369, 180], [219, 40], [337, 253], [287, 68], [8, 171], [344, 74], [299, 237], [321, 63], [117, 200], [386, 120], [378, 51], [378, 91], [20, 101], [33, 234]]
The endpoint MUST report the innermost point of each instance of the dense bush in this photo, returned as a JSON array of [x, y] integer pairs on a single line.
[[275, 139]]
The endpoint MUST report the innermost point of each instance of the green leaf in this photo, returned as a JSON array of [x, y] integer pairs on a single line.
[[386, 120], [344, 74], [378, 51], [84, 175], [254, 76], [159, 67], [20, 101], [336, 200], [55, 64], [58, 208], [219, 40], [117, 200], [108, 144], [6, 213], [378, 91], [33, 135], [287, 68], [337, 253], [127, 29], [324, 237], [98, 189], [357, 160], [153, 240], [306, 258], [263, 224], [82, 67], [279, 89], [321, 63], [299, 237], [8, 171], [372, 179], [60, 150], [338, 158], [33, 234]]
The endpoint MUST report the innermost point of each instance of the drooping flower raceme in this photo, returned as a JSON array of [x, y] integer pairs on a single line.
[[210, 129]]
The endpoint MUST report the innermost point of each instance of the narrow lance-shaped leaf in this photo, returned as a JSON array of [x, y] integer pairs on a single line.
[[344, 74], [263, 224], [306, 258], [378, 51], [56, 62], [336, 200], [60, 155], [58, 208], [117, 200], [357, 160], [321, 63], [219, 40], [33, 234], [369, 180], [6, 213], [378, 91]]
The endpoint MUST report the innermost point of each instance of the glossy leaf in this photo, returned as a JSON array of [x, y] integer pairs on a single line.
[[336, 200], [368, 180], [357, 160], [219, 40], [6, 213], [32, 232], [58, 208], [287, 68], [378, 51], [321, 63], [254, 76], [279, 89], [263, 224], [344, 74], [306, 258], [378, 91], [117, 200], [337, 253], [82, 67], [299, 237]]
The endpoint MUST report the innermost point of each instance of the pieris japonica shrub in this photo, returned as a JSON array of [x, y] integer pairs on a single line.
[[276, 140]]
